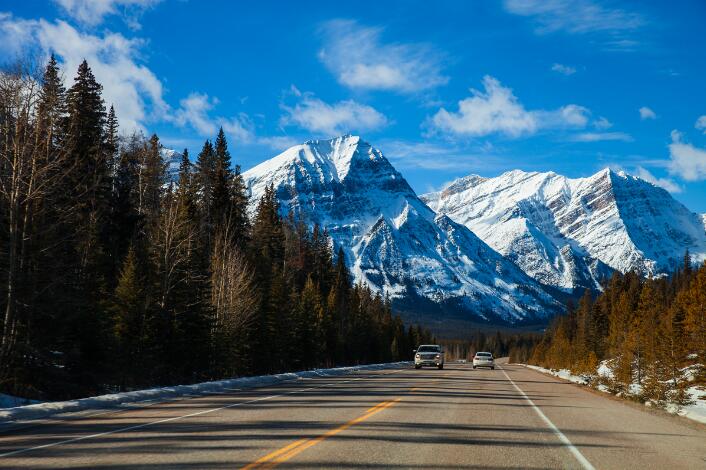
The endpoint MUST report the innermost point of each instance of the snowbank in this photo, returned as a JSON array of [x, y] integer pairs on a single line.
[[8, 401], [563, 374], [695, 410], [42, 410]]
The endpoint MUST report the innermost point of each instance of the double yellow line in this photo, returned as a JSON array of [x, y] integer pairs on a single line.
[[287, 452]]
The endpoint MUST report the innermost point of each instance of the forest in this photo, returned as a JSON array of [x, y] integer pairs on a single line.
[[115, 277], [516, 346], [651, 332]]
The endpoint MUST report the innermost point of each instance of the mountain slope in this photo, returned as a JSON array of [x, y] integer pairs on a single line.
[[172, 159], [569, 233], [391, 239]]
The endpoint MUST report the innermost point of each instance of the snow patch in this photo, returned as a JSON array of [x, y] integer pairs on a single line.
[[8, 401], [695, 409]]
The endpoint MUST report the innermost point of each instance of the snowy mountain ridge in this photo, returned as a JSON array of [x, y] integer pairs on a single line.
[[570, 233], [392, 240], [172, 159]]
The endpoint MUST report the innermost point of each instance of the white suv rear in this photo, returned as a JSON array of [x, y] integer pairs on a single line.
[[483, 359]]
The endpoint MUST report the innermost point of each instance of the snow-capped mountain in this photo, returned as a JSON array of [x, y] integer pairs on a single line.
[[392, 240], [172, 159], [569, 233]]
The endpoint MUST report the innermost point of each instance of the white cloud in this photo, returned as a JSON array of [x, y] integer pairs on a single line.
[[127, 84], [326, 119], [601, 136], [602, 123], [497, 110], [359, 59], [131, 87], [279, 142], [647, 113], [564, 69], [574, 16], [687, 161], [92, 12], [194, 111], [571, 115], [701, 123], [666, 183], [15, 34]]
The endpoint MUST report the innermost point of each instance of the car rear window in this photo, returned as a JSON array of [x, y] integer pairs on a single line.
[[484, 354]]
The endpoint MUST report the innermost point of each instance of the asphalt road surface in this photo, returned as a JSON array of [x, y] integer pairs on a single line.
[[457, 418]]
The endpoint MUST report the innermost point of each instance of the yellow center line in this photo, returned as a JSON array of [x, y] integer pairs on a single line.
[[272, 455], [287, 452]]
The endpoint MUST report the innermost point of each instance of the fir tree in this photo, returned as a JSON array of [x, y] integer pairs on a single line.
[[220, 203]]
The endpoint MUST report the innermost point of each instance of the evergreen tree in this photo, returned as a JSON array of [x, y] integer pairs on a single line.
[[51, 112], [220, 202], [152, 180], [205, 182], [310, 319], [111, 141]]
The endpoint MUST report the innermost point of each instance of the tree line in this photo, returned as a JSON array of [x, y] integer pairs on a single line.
[[115, 277], [516, 346], [650, 330]]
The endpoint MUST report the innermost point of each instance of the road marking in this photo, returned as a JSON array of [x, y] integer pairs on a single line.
[[272, 455], [175, 418], [295, 448], [565, 440]]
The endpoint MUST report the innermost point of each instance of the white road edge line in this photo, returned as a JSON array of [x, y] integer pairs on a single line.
[[565, 440], [175, 418]]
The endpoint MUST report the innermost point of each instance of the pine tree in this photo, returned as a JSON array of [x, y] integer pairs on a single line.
[[205, 183], [694, 304], [89, 181], [220, 202], [86, 194], [51, 112], [130, 311], [239, 212], [310, 319], [111, 141], [152, 180]]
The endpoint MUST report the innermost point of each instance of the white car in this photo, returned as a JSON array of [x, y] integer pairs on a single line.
[[483, 359]]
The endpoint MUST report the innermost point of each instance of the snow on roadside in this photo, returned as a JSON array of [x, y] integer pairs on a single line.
[[8, 401], [43, 410], [695, 410], [562, 374]]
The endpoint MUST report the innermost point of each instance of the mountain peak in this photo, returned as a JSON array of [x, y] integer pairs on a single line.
[[570, 232], [347, 138], [391, 239], [326, 160]]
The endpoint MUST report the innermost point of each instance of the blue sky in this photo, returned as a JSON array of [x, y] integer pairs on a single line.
[[444, 89]]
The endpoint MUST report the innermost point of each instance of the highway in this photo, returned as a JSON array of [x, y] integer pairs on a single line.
[[456, 418]]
